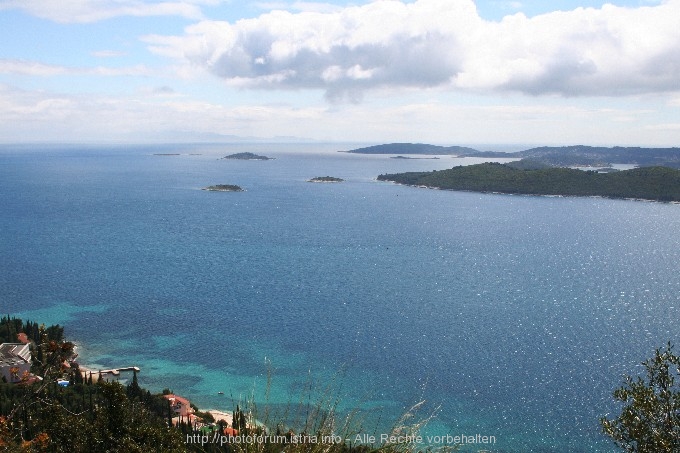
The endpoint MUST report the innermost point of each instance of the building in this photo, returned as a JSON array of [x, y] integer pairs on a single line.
[[15, 361], [181, 406]]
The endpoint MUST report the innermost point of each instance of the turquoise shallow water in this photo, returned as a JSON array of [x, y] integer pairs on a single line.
[[516, 315]]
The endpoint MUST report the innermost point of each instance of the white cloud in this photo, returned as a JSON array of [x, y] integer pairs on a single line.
[[608, 51], [148, 114], [33, 68], [30, 68], [315, 7], [108, 53], [664, 127], [440, 43], [156, 113], [85, 11]]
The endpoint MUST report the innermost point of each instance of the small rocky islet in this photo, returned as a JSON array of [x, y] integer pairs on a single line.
[[325, 179], [223, 188], [246, 156]]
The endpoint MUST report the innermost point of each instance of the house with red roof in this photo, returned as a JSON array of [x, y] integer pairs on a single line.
[[180, 405]]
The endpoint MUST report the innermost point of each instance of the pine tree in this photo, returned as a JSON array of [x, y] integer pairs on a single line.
[[650, 422]]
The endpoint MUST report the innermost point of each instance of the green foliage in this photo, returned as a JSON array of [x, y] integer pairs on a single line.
[[40, 415], [224, 188], [528, 164], [10, 327], [650, 420], [561, 156], [580, 155], [414, 148], [246, 156], [650, 183], [84, 418], [326, 179]]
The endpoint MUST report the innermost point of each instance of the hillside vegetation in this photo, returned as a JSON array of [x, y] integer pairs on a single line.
[[649, 183], [558, 156], [38, 414]]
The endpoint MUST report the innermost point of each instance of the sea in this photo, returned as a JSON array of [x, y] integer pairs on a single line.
[[511, 318]]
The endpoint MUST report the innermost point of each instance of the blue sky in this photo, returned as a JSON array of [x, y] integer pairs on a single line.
[[436, 71]]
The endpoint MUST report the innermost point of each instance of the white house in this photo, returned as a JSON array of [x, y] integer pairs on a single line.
[[15, 361]]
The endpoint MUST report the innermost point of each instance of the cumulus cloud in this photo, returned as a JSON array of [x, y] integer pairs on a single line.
[[85, 11], [607, 51], [440, 43], [385, 43]]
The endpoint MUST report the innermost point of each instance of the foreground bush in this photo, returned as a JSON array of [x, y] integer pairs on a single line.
[[650, 420]]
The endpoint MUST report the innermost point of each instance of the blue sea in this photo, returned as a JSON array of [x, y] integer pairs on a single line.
[[511, 316]]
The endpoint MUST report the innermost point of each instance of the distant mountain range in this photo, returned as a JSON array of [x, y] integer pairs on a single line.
[[557, 156]]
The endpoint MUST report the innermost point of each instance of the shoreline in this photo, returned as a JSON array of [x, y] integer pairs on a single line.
[[494, 192], [108, 374], [221, 416]]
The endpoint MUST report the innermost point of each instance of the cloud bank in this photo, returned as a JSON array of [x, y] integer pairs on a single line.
[[152, 115], [37, 69], [87, 11], [444, 44], [159, 113]]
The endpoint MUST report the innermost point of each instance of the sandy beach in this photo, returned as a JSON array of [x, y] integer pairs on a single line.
[[219, 415]]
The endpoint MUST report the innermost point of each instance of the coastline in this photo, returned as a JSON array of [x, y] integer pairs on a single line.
[[221, 416], [495, 192]]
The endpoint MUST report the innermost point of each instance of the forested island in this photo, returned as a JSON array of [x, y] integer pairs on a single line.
[[648, 183], [223, 188], [560, 156], [325, 179], [247, 156]]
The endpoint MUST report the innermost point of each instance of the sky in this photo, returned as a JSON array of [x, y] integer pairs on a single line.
[[456, 72]]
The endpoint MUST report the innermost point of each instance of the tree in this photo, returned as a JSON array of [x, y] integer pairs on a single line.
[[650, 420], [134, 391], [239, 421]]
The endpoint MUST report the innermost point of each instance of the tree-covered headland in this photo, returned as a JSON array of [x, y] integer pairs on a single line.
[[38, 414], [649, 183]]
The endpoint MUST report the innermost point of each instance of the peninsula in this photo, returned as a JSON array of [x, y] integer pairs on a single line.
[[325, 179], [414, 148], [648, 183], [559, 156], [223, 188], [247, 156]]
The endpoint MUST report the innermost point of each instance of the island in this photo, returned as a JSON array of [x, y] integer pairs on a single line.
[[325, 179], [406, 157], [414, 148], [646, 183], [223, 188], [247, 156], [560, 156]]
